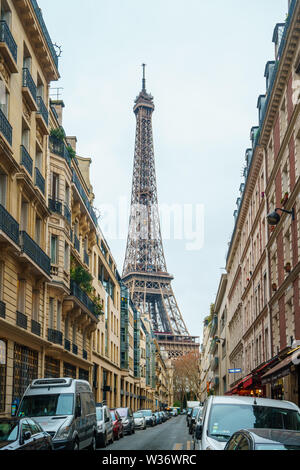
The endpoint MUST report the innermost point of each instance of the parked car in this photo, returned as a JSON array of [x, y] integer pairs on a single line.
[[163, 416], [188, 416], [65, 409], [150, 418], [127, 420], [194, 418], [198, 423], [117, 424], [225, 415], [264, 439], [158, 417], [23, 434], [139, 420], [105, 433]]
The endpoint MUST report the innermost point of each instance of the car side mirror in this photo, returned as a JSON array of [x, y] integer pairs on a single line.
[[26, 436], [199, 430]]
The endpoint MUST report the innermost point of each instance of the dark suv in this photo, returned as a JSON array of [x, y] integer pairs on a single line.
[[127, 419]]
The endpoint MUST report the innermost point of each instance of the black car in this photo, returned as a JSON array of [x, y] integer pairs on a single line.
[[192, 420], [23, 434], [188, 415], [264, 439], [127, 420]]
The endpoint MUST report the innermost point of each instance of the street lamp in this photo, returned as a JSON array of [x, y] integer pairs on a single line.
[[274, 217]]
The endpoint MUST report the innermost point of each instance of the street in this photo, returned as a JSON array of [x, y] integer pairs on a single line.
[[171, 435]]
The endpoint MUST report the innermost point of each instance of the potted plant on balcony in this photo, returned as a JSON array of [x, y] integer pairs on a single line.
[[58, 134], [71, 151]]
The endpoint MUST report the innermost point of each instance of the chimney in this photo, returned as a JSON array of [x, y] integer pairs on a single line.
[[58, 105]]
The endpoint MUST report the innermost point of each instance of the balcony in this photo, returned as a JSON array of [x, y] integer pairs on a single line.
[[214, 326], [43, 26], [8, 47], [9, 226], [21, 320], [29, 90], [74, 349], [76, 182], [76, 244], [26, 160], [35, 328], [84, 354], [67, 345], [42, 115], [67, 214], [55, 206], [39, 181], [77, 292], [59, 148], [5, 128], [2, 309], [213, 346], [55, 336], [86, 258], [35, 253]]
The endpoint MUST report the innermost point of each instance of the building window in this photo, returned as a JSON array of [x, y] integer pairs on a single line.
[[3, 189], [67, 257], [24, 216], [59, 309], [4, 98], [21, 295], [55, 186], [53, 249], [51, 313], [38, 230], [35, 305]]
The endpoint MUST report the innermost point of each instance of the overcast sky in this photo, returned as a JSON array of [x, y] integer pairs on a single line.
[[205, 68]]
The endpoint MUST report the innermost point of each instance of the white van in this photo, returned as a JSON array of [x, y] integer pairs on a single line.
[[65, 409], [224, 415]]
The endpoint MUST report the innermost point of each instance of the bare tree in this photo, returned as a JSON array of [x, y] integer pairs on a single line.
[[186, 377]]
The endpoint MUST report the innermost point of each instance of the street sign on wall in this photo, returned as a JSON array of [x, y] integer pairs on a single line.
[[234, 371]]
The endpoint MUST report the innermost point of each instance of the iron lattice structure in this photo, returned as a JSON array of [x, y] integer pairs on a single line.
[[145, 271]]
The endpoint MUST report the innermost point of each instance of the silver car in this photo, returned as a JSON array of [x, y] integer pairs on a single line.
[[105, 433], [139, 420], [224, 415]]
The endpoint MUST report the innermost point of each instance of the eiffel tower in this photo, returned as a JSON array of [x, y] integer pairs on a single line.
[[145, 270]]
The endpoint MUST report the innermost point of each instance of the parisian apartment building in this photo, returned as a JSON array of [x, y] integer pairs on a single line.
[[64, 311], [253, 334]]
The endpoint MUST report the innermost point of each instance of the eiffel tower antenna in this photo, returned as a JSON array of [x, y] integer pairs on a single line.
[[145, 270]]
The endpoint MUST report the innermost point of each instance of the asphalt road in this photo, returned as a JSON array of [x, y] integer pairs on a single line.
[[171, 435]]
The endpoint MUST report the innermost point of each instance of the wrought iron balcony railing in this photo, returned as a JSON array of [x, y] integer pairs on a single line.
[[76, 244], [32, 249], [59, 148], [35, 327], [9, 225], [77, 292], [55, 206], [21, 320], [67, 345], [86, 258], [26, 160], [39, 181], [29, 83], [2, 309], [74, 349], [67, 214], [55, 336], [84, 197], [40, 18], [7, 37], [42, 109], [5, 127]]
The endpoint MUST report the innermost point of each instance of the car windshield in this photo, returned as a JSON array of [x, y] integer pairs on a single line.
[[8, 430], [226, 419], [122, 412], [47, 405], [276, 447], [137, 415], [99, 414]]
